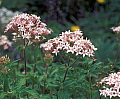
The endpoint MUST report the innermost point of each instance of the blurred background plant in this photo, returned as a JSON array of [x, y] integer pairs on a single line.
[[94, 17]]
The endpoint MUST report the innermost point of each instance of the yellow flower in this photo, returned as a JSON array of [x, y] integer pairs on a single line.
[[74, 28], [0, 2], [100, 1]]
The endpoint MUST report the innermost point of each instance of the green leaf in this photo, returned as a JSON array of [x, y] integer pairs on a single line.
[[69, 83], [52, 84], [54, 71], [33, 93], [2, 95], [20, 89], [40, 78], [26, 90], [98, 63], [21, 82], [5, 83], [88, 61], [93, 75], [34, 79], [47, 97], [62, 94], [40, 69]]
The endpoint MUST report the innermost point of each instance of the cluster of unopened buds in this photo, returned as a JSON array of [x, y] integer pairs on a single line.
[[5, 42], [113, 81], [71, 42], [48, 58], [116, 29], [29, 27], [4, 60]]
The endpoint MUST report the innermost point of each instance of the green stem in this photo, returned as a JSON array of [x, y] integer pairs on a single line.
[[66, 71], [63, 59], [5, 83], [25, 61], [74, 61], [46, 72], [34, 70], [90, 80], [36, 46]]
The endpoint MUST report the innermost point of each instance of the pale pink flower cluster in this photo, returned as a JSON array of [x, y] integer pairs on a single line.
[[5, 42], [71, 42], [113, 81], [116, 29], [28, 26]]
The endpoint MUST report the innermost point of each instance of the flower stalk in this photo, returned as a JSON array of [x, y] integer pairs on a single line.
[[46, 72], [66, 71], [25, 61]]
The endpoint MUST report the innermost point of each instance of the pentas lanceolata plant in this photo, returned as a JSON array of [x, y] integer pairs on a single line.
[[111, 85], [28, 27], [71, 42]]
